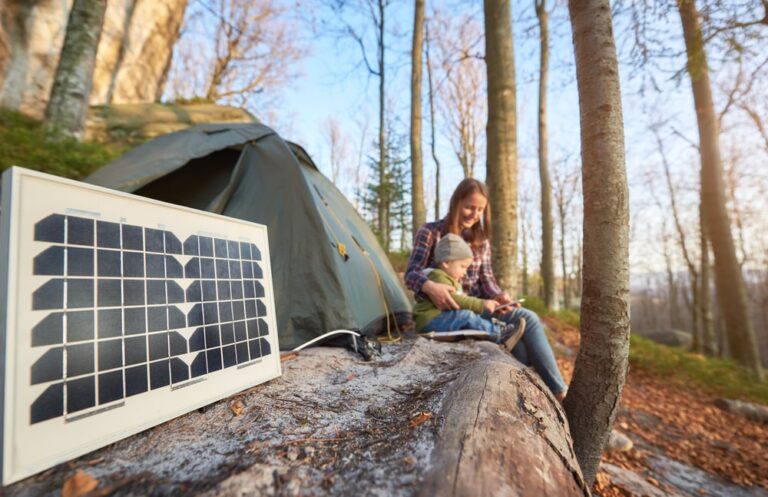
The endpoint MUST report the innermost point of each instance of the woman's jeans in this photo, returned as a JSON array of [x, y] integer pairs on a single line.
[[534, 350]]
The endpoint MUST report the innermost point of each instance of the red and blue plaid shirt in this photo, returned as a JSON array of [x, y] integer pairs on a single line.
[[479, 280]]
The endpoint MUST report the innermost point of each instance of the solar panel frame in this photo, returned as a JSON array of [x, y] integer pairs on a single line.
[[35, 316]]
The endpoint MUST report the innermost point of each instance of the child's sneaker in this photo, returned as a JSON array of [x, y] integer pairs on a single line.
[[512, 334]]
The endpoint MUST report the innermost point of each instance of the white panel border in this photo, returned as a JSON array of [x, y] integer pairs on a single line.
[[22, 442]]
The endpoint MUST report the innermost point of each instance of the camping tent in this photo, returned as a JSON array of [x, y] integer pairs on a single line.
[[328, 270]]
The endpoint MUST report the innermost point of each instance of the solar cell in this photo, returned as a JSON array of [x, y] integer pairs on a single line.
[[123, 310]]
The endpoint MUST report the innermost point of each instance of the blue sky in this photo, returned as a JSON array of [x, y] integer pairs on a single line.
[[333, 83]]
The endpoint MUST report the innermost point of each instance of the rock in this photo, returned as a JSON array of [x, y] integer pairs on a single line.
[[133, 56], [139, 122], [134, 67], [634, 483], [618, 442], [35, 31], [693, 481], [755, 412]]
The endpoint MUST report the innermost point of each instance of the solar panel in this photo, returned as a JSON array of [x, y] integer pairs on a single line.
[[119, 313]]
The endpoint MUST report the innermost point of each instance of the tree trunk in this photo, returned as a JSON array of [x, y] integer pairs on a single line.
[[525, 260], [671, 291], [566, 290], [71, 91], [500, 423], [418, 210], [731, 291], [501, 132], [601, 366], [547, 262], [432, 127], [705, 311], [383, 206]]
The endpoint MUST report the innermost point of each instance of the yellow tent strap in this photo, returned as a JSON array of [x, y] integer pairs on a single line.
[[342, 249], [387, 312]]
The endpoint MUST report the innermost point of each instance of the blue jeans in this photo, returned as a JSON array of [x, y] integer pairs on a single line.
[[464, 320], [534, 350]]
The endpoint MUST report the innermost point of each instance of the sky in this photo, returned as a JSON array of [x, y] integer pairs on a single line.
[[332, 83]]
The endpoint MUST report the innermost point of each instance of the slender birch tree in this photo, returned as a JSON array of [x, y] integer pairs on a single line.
[[432, 121], [68, 105], [547, 249], [418, 210], [601, 366]]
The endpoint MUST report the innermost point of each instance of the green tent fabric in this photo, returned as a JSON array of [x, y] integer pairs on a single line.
[[248, 172]]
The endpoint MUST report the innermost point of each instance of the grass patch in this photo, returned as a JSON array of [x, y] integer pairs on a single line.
[[720, 377], [568, 316], [25, 142]]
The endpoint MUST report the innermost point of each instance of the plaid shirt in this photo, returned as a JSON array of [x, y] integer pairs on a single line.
[[479, 280]]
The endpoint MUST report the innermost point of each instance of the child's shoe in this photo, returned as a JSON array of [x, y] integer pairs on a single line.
[[512, 334]]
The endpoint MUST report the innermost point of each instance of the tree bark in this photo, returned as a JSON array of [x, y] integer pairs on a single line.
[[547, 262], [501, 131], [383, 210], [418, 210], [731, 291], [68, 105], [705, 312], [432, 125], [563, 263], [601, 366], [500, 423]]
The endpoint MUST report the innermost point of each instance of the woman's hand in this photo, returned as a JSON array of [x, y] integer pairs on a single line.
[[440, 295], [503, 298]]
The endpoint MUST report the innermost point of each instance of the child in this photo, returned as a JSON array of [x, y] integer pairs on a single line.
[[453, 256]]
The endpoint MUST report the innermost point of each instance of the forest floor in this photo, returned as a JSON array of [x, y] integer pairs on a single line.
[[683, 444]]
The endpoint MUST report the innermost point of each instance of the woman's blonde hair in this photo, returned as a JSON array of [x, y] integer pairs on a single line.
[[481, 231]]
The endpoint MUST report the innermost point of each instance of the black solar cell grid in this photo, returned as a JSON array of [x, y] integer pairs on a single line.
[[130, 309]]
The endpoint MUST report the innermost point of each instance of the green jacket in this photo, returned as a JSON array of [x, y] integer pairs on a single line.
[[425, 311]]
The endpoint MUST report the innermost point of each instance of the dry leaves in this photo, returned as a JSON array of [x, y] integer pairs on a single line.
[[419, 418], [287, 356], [237, 407], [682, 422], [79, 484]]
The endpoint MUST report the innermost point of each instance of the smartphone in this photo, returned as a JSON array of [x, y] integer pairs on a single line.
[[511, 304]]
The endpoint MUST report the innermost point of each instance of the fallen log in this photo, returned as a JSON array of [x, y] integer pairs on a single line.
[[503, 434], [426, 418]]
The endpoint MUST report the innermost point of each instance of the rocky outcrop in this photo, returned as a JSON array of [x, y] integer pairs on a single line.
[[130, 123], [133, 57], [135, 52], [35, 32]]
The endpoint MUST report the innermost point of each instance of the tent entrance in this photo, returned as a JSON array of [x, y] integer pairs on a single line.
[[196, 184]]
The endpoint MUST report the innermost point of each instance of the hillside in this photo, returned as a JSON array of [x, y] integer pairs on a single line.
[[684, 445]]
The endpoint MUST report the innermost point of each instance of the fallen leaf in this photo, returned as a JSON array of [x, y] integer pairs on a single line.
[[288, 356], [351, 376], [237, 407], [419, 418], [79, 484]]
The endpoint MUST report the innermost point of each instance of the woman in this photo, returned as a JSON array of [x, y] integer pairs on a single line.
[[469, 216]]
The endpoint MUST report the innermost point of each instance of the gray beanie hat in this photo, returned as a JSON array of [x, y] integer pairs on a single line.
[[452, 248]]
